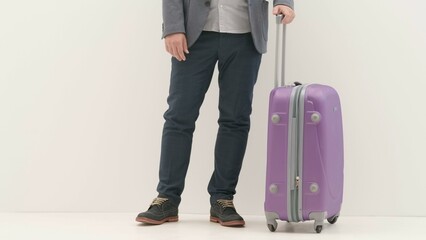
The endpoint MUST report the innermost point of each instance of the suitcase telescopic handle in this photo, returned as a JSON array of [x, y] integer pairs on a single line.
[[280, 52]]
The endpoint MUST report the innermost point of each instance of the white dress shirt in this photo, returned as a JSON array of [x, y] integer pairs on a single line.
[[228, 16]]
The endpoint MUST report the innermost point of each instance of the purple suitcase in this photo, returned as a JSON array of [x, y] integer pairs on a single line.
[[304, 179]]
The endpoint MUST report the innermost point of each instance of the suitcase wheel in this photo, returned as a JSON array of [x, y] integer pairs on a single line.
[[318, 228], [333, 219], [272, 228]]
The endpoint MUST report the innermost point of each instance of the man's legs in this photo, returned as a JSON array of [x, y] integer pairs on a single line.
[[238, 69], [189, 82]]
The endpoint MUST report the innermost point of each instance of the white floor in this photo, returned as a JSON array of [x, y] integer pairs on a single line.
[[83, 226]]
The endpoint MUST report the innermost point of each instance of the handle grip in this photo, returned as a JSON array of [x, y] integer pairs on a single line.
[[280, 52]]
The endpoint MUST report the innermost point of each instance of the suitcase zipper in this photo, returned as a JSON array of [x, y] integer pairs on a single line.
[[296, 159], [297, 182], [295, 201]]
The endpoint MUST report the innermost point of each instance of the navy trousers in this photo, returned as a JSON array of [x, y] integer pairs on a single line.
[[238, 65]]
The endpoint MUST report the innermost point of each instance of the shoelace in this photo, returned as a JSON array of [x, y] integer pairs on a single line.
[[159, 201], [226, 203]]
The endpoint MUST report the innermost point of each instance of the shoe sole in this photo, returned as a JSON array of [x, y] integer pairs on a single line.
[[157, 222], [236, 223]]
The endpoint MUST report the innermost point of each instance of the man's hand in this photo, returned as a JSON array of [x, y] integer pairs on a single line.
[[176, 45], [286, 11]]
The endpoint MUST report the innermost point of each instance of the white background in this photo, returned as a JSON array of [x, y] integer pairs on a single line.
[[83, 86]]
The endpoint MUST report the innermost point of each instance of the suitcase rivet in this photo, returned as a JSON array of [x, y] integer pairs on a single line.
[[314, 187], [273, 188], [275, 118], [316, 117]]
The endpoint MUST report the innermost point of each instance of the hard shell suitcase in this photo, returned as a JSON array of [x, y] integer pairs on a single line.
[[304, 179]]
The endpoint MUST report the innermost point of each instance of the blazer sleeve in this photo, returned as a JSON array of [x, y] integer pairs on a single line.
[[173, 17], [289, 3]]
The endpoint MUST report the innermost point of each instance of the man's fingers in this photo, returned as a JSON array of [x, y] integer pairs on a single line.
[[288, 18], [176, 45], [176, 54], [185, 47], [275, 11], [288, 15], [173, 50], [286, 11], [179, 49]]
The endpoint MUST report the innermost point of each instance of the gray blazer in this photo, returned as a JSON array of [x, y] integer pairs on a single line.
[[190, 16]]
